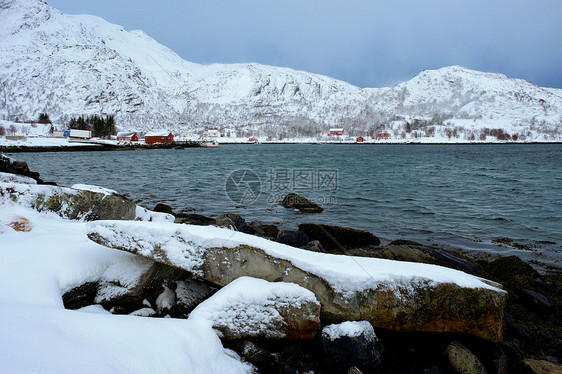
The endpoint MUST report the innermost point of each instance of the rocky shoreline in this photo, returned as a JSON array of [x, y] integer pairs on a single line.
[[532, 333], [128, 147], [529, 340]]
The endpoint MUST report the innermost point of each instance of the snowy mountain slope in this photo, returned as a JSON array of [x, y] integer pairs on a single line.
[[81, 64], [70, 65]]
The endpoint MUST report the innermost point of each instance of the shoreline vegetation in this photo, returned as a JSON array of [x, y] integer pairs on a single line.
[[532, 334]]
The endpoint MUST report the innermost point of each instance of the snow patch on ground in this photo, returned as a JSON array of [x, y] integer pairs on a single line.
[[39, 335]]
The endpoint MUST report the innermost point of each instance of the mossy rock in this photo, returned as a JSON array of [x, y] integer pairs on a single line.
[[194, 219], [269, 231], [510, 269]]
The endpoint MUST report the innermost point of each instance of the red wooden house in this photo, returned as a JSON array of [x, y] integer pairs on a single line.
[[128, 136], [158, 137], [360, 139], [383, 135], [336, 132]]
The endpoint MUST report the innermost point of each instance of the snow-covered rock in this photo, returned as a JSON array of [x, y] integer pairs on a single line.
[[254, 308], [72, 65], [143, 214], [390, 294], [125, 279], [91, 188], [68, 202], [352, 343], [165, 301], [14, 178]]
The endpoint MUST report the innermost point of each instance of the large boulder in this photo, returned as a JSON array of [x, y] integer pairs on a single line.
[[462, 360], [254, 308], [338, 239], [393, 295]]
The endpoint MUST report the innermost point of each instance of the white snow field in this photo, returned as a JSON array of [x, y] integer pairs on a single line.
[[39, 336]]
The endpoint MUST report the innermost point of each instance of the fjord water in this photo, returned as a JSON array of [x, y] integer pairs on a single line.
[[461, 196]]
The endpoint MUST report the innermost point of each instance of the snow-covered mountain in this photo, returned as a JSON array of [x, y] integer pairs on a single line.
[[68, 65]]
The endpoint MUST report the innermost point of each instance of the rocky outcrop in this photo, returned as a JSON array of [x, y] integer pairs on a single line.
[[68, 202], [336, 239], [392, 295], [19, 168], [300, 203], [254, 308]]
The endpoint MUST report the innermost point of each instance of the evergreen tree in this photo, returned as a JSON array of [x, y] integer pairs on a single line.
[[102, 127], [44, 118]]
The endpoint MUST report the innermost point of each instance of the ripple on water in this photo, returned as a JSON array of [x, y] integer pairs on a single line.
[[452, 194]]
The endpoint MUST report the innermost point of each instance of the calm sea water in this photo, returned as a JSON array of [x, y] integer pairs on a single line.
[[450, 195]]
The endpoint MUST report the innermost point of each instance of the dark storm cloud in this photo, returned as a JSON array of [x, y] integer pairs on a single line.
[[365, 42]]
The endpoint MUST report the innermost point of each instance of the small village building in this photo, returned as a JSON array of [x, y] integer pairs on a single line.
[[128, 136], [360, 139], [335, 132], [158, 137], [212, 133], [78, 134], [253, 139], [383, 135]]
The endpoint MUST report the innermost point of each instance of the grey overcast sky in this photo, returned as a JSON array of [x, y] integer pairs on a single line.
[[369, 43]]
